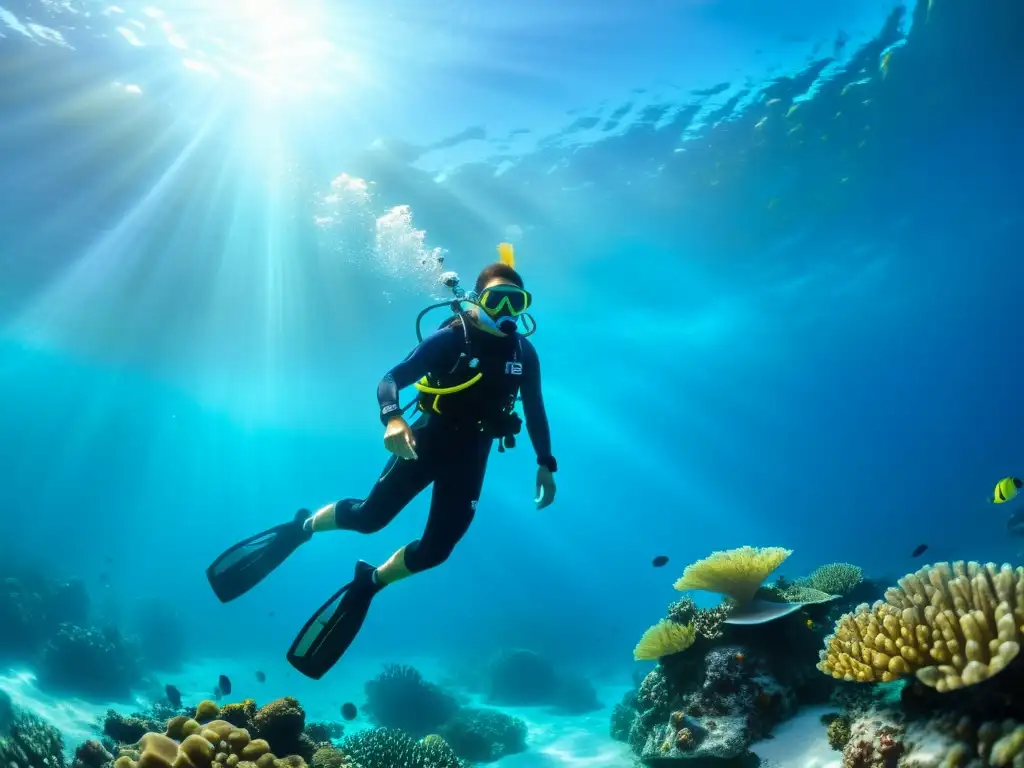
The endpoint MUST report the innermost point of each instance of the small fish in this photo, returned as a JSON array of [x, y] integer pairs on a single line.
[[260, 677], [1006, 490], [348, 710], [173, 695], [216, 694], [919, 550], [660, 561], [810, 624], [224, 685]]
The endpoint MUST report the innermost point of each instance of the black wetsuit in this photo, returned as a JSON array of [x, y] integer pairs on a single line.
[[454, 434]]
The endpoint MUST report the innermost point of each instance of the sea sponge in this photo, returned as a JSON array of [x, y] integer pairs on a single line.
[[834, 578], [951, 625], [663, 639], [736, 573]]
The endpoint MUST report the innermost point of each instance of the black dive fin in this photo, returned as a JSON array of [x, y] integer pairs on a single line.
[[248, 562], [331, 630]]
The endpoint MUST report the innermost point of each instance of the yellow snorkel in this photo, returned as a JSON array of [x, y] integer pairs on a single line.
[[507, 254]]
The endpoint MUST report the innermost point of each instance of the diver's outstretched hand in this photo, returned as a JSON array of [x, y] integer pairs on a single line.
[[545, 487], [399, 439]]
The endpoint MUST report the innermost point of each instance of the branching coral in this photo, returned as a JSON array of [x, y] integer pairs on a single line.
[[834, 579], [663, 639], [27, 741], [951, 625], [707, 621], [390, 748], [736, 573]]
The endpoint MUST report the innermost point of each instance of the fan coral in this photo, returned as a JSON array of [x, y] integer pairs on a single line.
[[736, 573], [663, 639], [834, 578], [951, 625]]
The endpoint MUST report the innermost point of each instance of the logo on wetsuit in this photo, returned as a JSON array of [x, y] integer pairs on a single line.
[[513, 368]]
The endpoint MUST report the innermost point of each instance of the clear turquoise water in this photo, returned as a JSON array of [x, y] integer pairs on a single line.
[[789, 322]]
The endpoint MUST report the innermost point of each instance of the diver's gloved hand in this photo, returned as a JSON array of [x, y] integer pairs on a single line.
[[399, 439], [545, 487]]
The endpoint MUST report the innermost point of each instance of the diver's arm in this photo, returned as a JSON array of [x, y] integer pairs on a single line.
[[438, 352], [533, 407]]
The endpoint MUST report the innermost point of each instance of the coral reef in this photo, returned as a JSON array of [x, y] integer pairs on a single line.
[[400, 698], [664, 639], [92, 754], [217, 745], [712, 703], [622, 716], [706, 621], [46, 624], [89, 662], [521, 678], [950, 625], [873, 743], [32, 608], [329, 757], [484, 735], [833, 579], [26, 741], [391, 748], [838, 730], [280, 723], [524, 678]]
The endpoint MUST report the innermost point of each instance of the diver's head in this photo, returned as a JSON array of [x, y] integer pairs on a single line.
[[501, 298]]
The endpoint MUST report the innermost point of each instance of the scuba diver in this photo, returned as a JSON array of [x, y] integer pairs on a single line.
[[470, 374]]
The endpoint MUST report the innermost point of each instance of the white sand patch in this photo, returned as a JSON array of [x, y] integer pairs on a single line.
[[77, 720], [800, 742]]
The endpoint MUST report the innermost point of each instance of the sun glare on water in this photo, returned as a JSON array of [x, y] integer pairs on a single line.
[[273, 47]]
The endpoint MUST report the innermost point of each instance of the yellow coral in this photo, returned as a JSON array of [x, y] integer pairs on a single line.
[[663, 639], [206, 711], [951, 625], [737, 573], [219, 745]]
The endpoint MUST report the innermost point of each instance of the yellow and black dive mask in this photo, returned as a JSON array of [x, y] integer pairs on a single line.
[[505, 301]]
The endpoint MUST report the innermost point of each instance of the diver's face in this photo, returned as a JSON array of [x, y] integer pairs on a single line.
[[502, 321]]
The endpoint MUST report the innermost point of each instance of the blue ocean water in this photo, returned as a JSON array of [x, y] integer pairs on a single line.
[[773, 248]]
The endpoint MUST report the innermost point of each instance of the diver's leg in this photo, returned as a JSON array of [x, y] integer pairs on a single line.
[[457, 485], [400, 482]]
